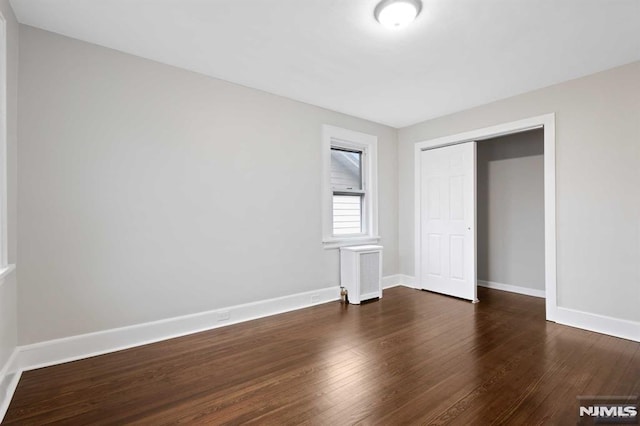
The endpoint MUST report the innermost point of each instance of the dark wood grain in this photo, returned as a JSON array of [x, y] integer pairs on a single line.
[[411, 358]]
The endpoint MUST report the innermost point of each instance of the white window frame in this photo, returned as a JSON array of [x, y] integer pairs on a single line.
[[5, 268], [337, 137]]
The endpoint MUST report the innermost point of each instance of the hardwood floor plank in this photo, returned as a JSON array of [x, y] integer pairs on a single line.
[[411, 358]]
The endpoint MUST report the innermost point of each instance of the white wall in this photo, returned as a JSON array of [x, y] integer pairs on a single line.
[[598, 181], [510, 187], [8, 302], [148, 192]]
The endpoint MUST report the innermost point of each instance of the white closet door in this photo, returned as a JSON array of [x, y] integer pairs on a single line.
[[447, 218]]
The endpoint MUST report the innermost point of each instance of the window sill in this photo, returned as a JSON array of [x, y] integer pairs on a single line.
[[4, 272], [334, 243]]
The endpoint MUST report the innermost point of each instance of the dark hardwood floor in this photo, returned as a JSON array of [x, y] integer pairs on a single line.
[[411, 358]]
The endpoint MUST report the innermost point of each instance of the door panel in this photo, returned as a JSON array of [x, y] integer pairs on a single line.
[[433, 254], [447, 219]]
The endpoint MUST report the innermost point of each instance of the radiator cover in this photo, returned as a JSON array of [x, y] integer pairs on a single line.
[[361, 272]]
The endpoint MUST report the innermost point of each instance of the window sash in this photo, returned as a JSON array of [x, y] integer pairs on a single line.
[[348, 182], [348, 214], [347, 171]]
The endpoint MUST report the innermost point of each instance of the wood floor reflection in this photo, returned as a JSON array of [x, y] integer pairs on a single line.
[[411, 358]]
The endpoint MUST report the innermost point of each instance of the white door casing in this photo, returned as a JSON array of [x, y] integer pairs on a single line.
[[547, 122], [448, 220]]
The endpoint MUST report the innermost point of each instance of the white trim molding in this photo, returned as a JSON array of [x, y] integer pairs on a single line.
[[397, 280], [547, 122], [333, 136], [408, 281], [616, 327], [58, 351], [66, 349], [9, 378], [527, 291], [334, 243], [391, 281], [72, 348], [5, 272], [3, 143]]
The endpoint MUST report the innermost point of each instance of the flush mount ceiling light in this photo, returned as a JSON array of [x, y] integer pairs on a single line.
[[397, 13]]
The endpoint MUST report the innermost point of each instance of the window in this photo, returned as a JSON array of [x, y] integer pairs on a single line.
[[349, 188]]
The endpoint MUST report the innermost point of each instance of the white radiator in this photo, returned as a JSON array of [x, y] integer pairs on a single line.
[[361, 272]]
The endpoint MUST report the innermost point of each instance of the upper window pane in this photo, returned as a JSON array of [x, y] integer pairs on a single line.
[[346, 170]]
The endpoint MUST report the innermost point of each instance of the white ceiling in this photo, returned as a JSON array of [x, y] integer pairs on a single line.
[[332, 53]]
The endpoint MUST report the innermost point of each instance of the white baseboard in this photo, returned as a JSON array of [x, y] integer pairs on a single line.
[[391, 281], [397, 280], [616, 327], [8, 383], [407, 281], [624, 329], [512, 288], [58, 351], [72, 348]]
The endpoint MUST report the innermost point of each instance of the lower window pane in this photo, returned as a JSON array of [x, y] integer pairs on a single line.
[[347, 214]]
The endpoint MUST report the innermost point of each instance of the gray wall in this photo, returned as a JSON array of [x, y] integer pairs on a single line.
[[8, 301], [148, 192], [598, 176], [511, 209]]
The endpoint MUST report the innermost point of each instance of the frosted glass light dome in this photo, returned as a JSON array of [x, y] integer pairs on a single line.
[[397, 13]]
